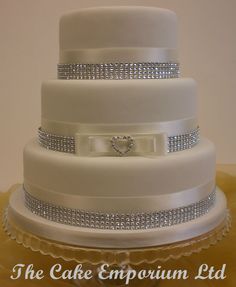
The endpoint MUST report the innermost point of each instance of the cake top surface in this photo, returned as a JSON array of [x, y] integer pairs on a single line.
[[118, 34]]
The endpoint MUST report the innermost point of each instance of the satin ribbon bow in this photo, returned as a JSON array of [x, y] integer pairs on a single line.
[[121, 144]]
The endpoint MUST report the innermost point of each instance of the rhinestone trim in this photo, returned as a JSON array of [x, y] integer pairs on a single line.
[[116, 221], [128, 139], [56, 142], [118, 71], [67, 144], [184, 141]]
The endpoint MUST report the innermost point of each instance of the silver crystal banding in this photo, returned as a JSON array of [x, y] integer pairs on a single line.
[[56, 142], [67, 143], [117, 221], [118, 71]]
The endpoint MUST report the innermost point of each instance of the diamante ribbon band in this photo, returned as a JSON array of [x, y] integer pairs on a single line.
[[158, 144], [105, 202], [116, 221], [118, 71]]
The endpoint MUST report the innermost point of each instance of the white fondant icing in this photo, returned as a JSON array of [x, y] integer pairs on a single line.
[[20, 215], [118, 34], [67, 103], [136, 176]]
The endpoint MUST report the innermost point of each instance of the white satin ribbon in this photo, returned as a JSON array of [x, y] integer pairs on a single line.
[[171, 128], [93, 145], [122, 203], [114, 55]]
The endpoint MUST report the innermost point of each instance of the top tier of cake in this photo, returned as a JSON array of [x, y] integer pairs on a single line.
[[121, 34]]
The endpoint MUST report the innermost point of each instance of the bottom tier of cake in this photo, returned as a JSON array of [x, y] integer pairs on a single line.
[[113, 184], [20, 215]]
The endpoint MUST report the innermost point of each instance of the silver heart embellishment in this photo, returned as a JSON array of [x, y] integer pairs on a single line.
[[122, 144]]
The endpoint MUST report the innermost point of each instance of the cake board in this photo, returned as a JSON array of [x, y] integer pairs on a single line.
[[168, 256]]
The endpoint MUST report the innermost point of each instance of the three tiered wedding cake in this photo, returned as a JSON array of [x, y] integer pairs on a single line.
[[118, 161]]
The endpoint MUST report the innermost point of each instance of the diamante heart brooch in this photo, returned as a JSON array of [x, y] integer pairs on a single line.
[[122, 144]]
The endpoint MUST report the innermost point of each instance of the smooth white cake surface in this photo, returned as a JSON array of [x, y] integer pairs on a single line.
[[120, 34], [115, 183], [66, 104], [32, 223]]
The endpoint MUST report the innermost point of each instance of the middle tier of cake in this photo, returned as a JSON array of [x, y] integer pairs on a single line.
[[66, 105]]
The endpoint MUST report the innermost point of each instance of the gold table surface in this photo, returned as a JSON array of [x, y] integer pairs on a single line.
[[224, 252]]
